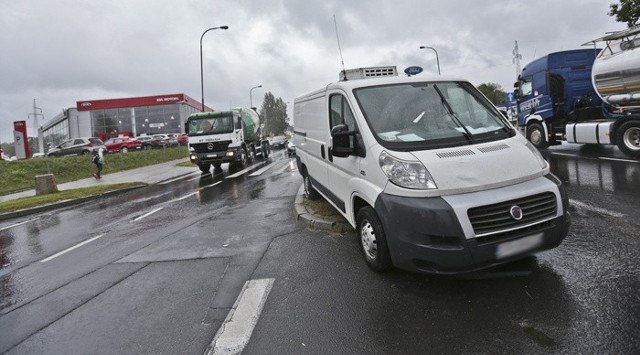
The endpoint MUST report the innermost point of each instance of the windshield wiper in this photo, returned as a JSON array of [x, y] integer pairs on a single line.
[[445, 103]]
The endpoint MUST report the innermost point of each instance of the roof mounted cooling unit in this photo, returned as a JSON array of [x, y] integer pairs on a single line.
[[365, 73]]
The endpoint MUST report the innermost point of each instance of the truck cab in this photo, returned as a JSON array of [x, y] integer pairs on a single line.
[[224, 137], [552, 87]]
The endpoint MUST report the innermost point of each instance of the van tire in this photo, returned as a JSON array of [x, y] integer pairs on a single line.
[[309, 191], [373, 240], [536, 135], [628, 138]]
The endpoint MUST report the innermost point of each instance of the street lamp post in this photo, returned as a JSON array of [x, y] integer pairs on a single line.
[[201, 76], [437, 59], [251, 97]]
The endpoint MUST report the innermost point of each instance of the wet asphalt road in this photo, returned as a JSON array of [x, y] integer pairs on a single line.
[[164, 282]]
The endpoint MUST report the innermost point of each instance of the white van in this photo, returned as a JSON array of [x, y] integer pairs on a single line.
[[431, 175]]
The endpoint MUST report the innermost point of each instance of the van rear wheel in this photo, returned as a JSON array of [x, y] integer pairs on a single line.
[[373, 240]]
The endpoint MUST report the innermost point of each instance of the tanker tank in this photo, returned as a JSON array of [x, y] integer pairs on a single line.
[[616, 70]]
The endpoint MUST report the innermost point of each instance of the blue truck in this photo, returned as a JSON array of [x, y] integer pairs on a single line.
[[587, 96]]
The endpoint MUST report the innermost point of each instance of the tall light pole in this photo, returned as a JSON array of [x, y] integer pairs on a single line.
[[201, 76], [251, 97], [437, 59]]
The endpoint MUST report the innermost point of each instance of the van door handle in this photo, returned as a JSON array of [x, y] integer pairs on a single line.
[[322, 151]]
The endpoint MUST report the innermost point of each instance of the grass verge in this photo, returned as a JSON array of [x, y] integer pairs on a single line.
[[323, 209], [20, 175], [36, 201]]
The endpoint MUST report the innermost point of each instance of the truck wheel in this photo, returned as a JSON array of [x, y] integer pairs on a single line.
[[536, 135], [217, 168], [243, 158], [373, 240], [628, 138], [252, 153], [265, 151], [309, 191], [204, 167]]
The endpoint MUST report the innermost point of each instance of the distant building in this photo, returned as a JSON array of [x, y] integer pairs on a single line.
[[131, 117]]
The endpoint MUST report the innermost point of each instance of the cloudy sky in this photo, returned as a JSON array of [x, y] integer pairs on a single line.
[[64, 51]]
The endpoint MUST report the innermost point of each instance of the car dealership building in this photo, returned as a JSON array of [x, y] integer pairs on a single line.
[[131, 117]]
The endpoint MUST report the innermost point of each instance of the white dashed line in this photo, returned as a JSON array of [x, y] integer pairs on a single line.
[[235, 332], [147, 214], [70, 249]]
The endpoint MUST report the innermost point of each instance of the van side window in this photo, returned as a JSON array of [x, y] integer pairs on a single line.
[[341, 112]]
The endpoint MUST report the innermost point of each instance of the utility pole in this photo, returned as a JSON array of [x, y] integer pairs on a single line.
[[36, 126], [516, 59]]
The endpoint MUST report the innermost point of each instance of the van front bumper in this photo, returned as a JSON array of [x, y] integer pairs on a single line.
[[426, 235]]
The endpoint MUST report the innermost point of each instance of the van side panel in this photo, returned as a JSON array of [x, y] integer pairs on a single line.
[[311, 128]]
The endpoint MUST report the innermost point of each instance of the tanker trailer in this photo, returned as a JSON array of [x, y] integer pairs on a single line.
[[220, 137], [587, 96]]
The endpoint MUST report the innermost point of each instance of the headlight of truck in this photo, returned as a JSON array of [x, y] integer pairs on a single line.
[[404, 173]]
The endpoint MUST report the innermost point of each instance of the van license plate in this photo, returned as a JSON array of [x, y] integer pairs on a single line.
[[517, 246]]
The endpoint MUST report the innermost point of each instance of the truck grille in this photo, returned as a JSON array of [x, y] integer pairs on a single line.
[[497, 218], [211, 147]]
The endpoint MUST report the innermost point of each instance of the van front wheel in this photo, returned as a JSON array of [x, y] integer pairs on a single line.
[[373, 240], [309, 191]]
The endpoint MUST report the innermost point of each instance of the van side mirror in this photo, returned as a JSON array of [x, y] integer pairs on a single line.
[[341, 141]]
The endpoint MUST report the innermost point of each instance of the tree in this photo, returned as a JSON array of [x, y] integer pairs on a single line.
[[627, 11], [493, 92], [273, 114]]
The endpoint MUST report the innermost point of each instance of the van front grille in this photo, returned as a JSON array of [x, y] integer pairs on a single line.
[[497, 218]]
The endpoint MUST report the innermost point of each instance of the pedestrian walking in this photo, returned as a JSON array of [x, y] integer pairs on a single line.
[[97, 160]]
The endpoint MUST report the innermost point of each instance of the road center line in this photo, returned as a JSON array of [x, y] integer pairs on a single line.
[[147, 214], [235, 332], [70, 249], [595, 209]]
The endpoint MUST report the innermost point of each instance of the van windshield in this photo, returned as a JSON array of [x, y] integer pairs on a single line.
[[210, 125], [430, 115]]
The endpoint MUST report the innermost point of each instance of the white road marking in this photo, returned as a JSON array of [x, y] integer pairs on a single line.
[[618, 159], [591, 208], [147, 214], [259, 172], [17, 224], [240, 172], [178, 178], [235, 332], [70, 249]]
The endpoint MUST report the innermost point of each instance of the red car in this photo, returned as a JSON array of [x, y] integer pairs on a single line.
[[122, 144]]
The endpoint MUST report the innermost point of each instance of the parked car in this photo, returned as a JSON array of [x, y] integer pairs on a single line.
[[291, 147], [182, 139], [169, 140], [278, 142], [122, 144], [76, 146]]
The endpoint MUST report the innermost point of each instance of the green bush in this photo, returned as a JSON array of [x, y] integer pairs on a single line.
[[20, 175]]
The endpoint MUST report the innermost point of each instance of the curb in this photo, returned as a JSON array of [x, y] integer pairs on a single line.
[[315, 221]]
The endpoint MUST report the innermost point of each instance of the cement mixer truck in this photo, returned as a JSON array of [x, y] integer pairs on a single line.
[[588, 96], [225, 137]]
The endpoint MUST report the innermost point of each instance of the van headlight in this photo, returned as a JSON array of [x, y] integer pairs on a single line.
[[543, 163], [405, 173]]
